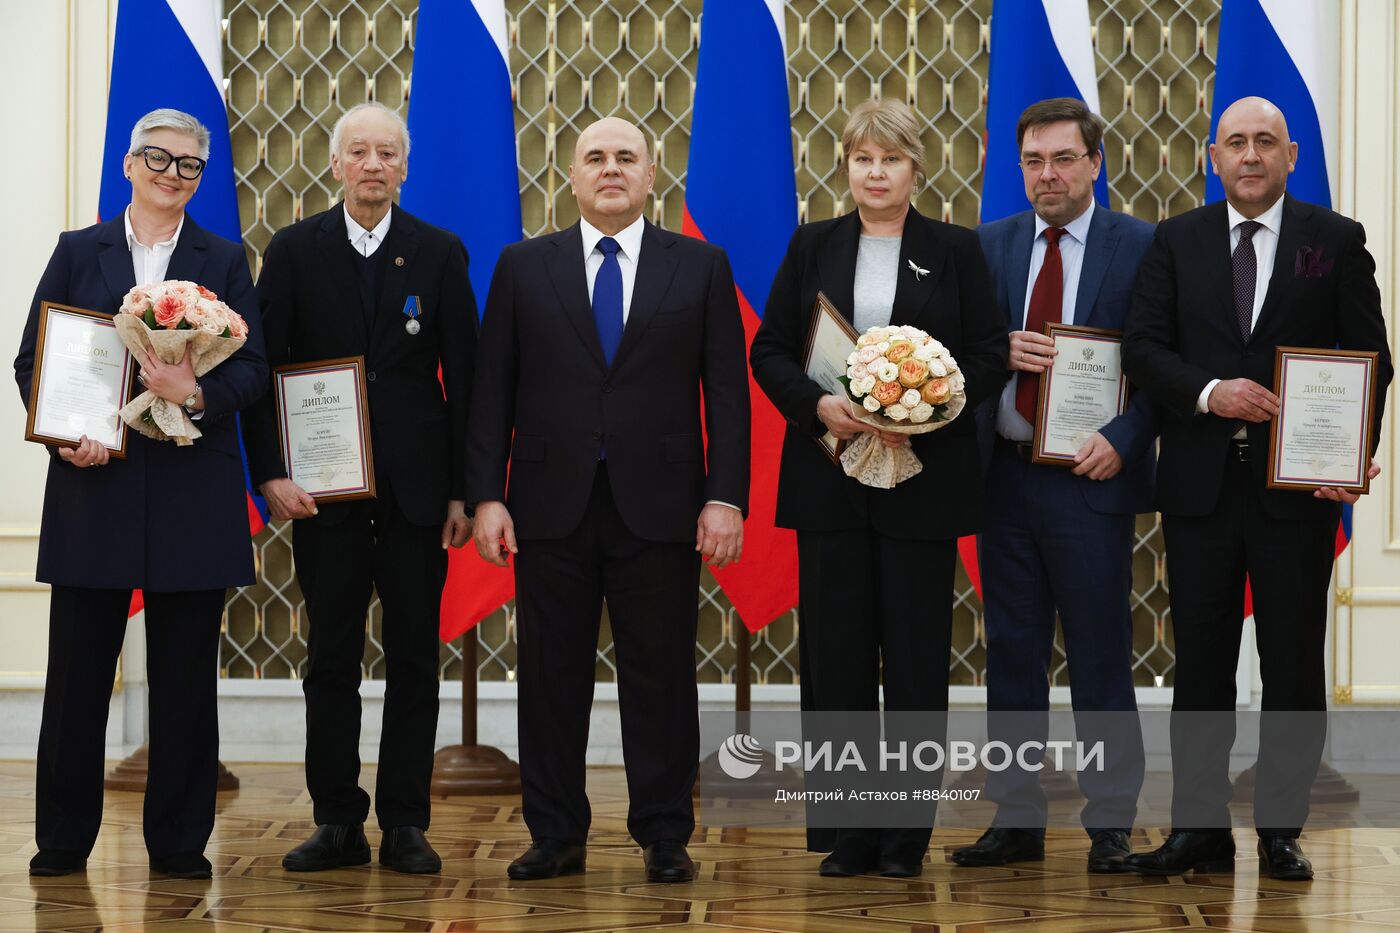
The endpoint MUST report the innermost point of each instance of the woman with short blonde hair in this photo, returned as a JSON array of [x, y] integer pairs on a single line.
[[875, 566]]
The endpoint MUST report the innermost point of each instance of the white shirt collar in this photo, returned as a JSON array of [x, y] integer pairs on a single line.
[[1078, 228], [355, 232], [1272, 218], [629, 239], [132, 242]]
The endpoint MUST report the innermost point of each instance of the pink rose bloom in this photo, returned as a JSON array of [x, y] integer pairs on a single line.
[[136, 301], [237, 326], [208, 318], [169, 310], [206, 294]]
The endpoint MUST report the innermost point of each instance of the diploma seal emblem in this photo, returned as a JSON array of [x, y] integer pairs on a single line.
[[1324, 376], [318, 387], [1088, 353]]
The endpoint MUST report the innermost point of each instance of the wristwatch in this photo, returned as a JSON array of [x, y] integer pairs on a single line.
[[193, 398]]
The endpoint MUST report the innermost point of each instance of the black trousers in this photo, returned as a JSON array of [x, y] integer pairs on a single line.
[[650, 588], [856, 593], [339, 566], [86, 629], [1289, 564]]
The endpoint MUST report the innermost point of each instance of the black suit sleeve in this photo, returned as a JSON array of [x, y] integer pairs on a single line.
[[1360, 323], [242, 379], [983, 357], [778, 345], [725, 380], [493, 392], [275, 294], [458, 358], [1151, 353]]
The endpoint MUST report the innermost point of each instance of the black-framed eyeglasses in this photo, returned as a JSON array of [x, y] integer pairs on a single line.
[[1060, 163], [158, 160]]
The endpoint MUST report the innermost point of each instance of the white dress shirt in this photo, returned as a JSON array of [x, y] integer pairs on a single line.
[[150, 262], [1265, 248], [1010, 424], [629, 241], [367, 241]]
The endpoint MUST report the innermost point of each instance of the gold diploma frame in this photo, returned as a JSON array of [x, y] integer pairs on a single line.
[[82, 377], [1322, 435], [830, 339], [323, 428], [1083, 390]]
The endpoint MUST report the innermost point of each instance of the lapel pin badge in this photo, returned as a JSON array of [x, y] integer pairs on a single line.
[[919, 271], [398, 261]]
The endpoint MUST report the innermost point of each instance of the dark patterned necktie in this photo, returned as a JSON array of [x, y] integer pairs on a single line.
[[1246, 272], [1046, 306]]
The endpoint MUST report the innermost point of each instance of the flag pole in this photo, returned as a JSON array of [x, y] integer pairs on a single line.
[[469, 768]]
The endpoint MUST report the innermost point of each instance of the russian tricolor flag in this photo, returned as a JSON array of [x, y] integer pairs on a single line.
[[1039, 49], [1287, 52], [184, 37], [740, 193], [463, 177]]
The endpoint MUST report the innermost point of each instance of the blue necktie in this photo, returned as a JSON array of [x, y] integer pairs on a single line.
[[607, 299]]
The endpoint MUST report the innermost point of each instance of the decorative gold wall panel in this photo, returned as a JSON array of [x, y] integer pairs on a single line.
[[294, 65]]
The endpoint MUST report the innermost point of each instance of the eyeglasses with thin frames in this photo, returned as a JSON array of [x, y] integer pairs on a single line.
[[158, 160], [1060, 163]]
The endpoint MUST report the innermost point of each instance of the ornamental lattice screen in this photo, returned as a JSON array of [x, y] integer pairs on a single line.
[[294, 65]]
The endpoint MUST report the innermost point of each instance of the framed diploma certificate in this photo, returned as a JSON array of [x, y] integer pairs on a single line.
[[1083, 390], [323, 425], [1322, 435], [830, 339], [82, 378]]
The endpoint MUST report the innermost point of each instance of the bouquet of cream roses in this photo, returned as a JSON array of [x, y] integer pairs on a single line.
[[168, 319], [902, 381]]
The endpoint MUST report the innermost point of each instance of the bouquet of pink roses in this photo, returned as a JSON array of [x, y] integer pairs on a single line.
[[902, 381], [168, 319]]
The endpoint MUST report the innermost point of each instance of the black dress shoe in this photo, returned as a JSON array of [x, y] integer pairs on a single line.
[[183, 865], [1107, 849], [1207, 850], [330, 846], [406, 849], [1001, 846], [851, 857], [51, 863], [1281, 857], [668, 862], [547, 859]]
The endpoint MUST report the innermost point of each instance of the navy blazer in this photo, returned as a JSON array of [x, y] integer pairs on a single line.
[[546, 398], [166, 518], [952, 301], [1115, 246], [1182, 332]]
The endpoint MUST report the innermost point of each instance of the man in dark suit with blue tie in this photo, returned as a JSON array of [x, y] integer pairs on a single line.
[[1060, 538], [595, 346]]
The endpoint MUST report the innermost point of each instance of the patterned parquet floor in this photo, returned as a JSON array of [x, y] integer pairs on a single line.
[[747, 880]]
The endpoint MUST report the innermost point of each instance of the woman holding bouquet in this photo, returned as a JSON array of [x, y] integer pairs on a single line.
[[170, 521], [876, 565]]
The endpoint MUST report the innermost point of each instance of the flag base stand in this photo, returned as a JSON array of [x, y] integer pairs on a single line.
[[130, 773], [469, 768], [460, 770]]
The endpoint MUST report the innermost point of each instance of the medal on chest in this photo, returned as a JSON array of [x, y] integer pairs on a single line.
[[412, 312]]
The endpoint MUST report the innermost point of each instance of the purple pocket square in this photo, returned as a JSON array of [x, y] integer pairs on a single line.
[[1311, 264]]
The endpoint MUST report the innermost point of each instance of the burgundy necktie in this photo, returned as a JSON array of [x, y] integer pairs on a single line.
[[1246, 273], [1047, 297]]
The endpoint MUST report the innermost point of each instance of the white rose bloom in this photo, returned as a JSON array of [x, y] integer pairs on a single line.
[[924, 353], [863, 385], [921, 413], [956, 382], [858, 371], [936, 368], [871, 405], [887, 371], [910, 398], [947, 359], [883, 346], [868, 355], [911, 332], [853, 358], [896, 412], [938, 348]]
